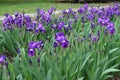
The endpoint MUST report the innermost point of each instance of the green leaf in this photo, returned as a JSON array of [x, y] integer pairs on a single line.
[[80, 78], [108, 71], [5, 73], [49, 77], [20, 77], [108, 76], [113, 50], [86, 61]]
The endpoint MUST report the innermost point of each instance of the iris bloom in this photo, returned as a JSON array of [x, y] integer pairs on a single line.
[[110, 28], [2, 58], [94, 38], [32, 46], [40, 28], [61, 40]]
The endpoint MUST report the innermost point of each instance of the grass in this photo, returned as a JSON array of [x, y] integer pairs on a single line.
[[30, 7]]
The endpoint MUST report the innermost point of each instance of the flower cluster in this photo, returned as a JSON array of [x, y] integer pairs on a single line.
[[33, 46], [110, 28], [61, 40], [99, 19], [7, 22], [45, 17], [40, 28], [20, 21]]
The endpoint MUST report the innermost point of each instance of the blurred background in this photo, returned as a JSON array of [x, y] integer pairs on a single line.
[[29, 6], [73, 1]]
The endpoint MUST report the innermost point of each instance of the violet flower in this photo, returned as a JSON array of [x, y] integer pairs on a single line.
[[81, 10], [110, 28], [61, 40], [40, 28], [86, 6], [50, 11], [60, 25], [32, 46], [103, 21], [2, 58], [31, 52], [94, 38]]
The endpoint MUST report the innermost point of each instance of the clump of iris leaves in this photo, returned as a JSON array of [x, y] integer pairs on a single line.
[[72, 45]]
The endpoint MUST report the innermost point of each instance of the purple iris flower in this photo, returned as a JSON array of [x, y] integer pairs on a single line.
[[103, 21], [64, 11], [93, 10], [40, 28], [32, 46], [75, 18], [60, 36], [6, 15], [61, 40], [27, 20], [31, 52], [18, 21], [66, 28], [55, 44], [43, 18], [60, 25], [70, 10], [40, 45], [70, 21], [30, 27], [61, 17], [31, 43], [11, 19], [116, 6], [34, 23], [110, 25], [83, 19], [16, 14], [54, 26], [110, 28], [2, 58], [42, 12], [81, 10], [94, 38], [86, 6], [98, 33], [92, 25], [48, 17], [90, 17], [70, 27], [64, 44], [99, 12], [117, 13], [50, 11], [8, 22], [83, 39]]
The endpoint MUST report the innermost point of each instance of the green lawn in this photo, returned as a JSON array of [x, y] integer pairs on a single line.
[[30, 7]]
